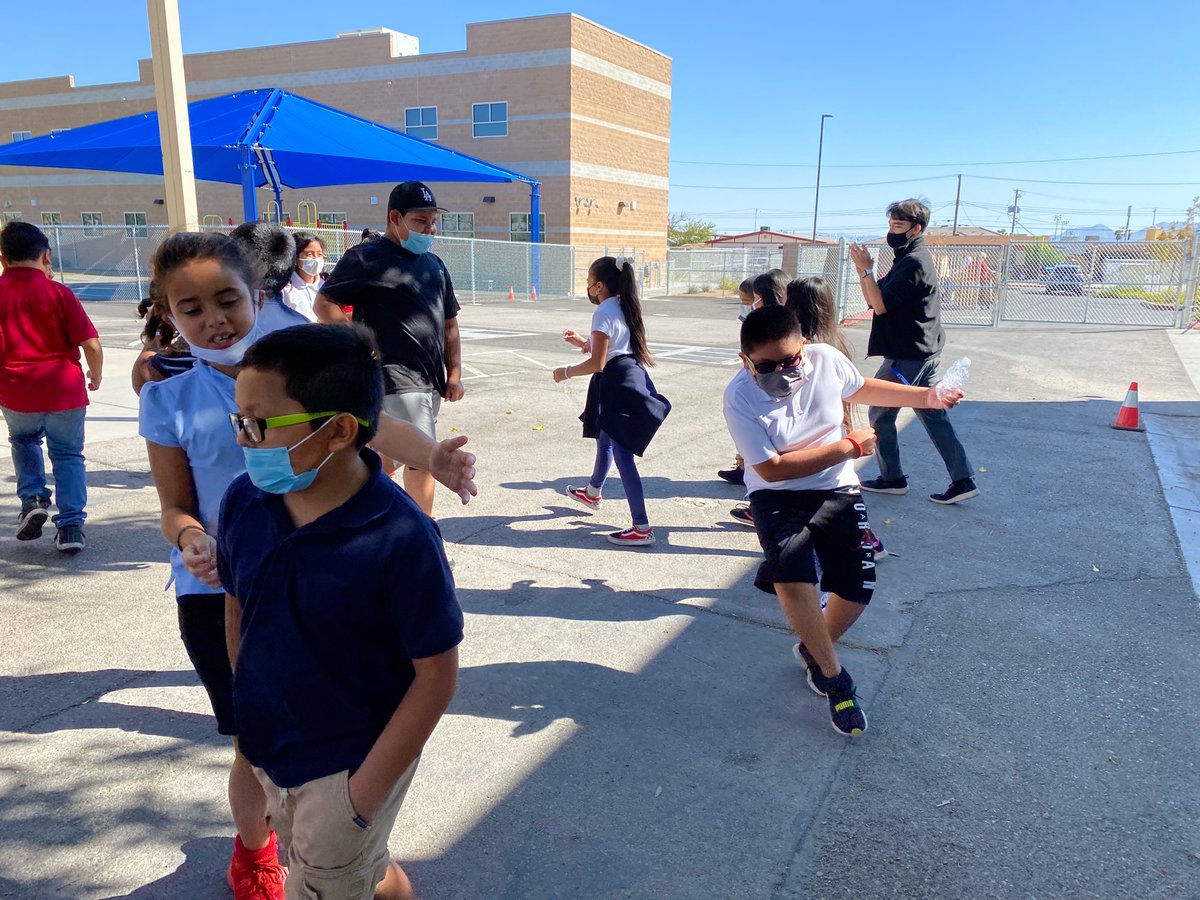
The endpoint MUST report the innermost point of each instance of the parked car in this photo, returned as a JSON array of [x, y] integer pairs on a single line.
[[1064, 279]]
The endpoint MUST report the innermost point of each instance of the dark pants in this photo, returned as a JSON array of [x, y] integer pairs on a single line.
[[922, 373]]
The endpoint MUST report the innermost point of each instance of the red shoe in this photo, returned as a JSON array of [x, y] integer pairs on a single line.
[[580, 495], [256, 874], [632, 537]]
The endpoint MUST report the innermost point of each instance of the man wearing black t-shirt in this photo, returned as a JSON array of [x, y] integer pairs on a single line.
[[404, 294], [906, 331]]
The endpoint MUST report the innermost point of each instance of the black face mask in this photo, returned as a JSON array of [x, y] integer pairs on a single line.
[[896, 240]]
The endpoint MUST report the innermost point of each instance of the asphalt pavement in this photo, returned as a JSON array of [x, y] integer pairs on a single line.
[[631, 723]]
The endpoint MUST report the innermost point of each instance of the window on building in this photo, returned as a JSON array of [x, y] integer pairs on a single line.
[[461, 225], [331, 219], [21, 136], [518, 227], [490, 119], [14, 216], [421, 122], [135, 225], [91, 222], [50, 219]]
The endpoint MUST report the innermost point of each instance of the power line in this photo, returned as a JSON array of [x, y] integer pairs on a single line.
[[807, 187], [1023, 179], [1007, 162]]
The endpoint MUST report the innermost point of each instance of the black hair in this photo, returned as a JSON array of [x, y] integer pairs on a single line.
[[303, 239], [369, 235], [811, 299], [746, 287], [185, 247], [23, 242], [620, 281], [911, 210], [771, 287], [767, 324], [158, 333], [326, 368], [272, 246]]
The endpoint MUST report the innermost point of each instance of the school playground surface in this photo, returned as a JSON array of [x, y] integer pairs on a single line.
[[630, 723]]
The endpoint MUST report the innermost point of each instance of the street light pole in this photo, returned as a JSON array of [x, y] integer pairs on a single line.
[[820, 150]]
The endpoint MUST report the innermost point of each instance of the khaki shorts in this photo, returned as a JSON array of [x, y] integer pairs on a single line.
[[329, 855]]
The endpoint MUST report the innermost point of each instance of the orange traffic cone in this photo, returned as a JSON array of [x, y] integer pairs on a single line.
[[511, 295], [533, 293], [1127, 416]]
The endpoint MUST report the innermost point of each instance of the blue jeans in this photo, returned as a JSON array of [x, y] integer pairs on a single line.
[[922, 373], [606, 449], [63, 432]]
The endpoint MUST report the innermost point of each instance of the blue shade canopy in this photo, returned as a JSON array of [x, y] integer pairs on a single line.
[[264, 137]]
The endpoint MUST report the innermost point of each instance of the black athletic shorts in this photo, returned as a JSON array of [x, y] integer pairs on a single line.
[[202, 627], [798, 528]]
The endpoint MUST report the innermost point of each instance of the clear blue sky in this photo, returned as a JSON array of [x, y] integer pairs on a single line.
[[917, 93]]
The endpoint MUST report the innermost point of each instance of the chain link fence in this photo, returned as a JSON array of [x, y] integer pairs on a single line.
[[107, 262], [1149, 283], [717, 271], [651, 269]]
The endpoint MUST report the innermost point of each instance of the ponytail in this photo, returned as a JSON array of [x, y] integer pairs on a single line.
[[158, 333], [620, 280]]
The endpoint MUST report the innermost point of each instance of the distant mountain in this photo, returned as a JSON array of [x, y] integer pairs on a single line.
[[1093, 232]]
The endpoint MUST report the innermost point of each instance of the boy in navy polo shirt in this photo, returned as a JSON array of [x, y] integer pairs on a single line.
[[341, 615]]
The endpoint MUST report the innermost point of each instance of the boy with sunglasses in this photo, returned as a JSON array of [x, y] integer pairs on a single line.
[[784, 411], [341, 617]]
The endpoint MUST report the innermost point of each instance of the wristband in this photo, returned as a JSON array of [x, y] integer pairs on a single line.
[[858, 451], [566, 372], [185, 528]]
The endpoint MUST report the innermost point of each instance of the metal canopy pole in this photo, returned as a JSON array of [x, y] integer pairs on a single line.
[[535, 234], [174, 130], [249, 191], [249, 146]]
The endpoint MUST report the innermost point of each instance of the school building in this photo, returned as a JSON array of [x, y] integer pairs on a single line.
[[562, 99]]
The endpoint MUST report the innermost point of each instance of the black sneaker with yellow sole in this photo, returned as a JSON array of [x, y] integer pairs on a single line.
[[845, 712]]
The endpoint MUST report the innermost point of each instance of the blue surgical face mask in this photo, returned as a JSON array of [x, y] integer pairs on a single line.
[[270, 468], [417, 243]]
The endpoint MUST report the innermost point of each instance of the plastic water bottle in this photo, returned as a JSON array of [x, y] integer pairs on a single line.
[[955, 378]]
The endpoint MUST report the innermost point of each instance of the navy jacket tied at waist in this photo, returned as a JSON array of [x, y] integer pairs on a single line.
[[622, 402]]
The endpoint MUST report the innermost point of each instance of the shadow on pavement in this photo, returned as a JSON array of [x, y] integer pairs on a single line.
[[199, 877]]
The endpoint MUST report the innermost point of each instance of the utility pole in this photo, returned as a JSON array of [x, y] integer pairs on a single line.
[[820, 149], [957, 194], [1013, 209], [1128, 215], [174, 130]]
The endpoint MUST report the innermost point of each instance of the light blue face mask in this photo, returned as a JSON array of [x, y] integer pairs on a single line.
[[270, 468], [417, 243]]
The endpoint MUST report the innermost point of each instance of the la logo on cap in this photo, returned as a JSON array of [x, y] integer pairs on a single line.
[[426, 195]]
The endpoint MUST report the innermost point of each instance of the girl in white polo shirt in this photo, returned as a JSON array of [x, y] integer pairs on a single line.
[[617, 348], [301, 292]]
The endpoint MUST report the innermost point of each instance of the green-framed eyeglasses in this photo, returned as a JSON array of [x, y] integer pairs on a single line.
[[254, 429]]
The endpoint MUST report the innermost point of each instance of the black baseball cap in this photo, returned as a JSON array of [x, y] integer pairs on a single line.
[[409, 196]]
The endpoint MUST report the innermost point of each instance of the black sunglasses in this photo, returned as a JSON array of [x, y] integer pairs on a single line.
[[772, 365]]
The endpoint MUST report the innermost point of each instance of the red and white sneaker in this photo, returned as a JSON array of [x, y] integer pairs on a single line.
[[256, 874], [632, 537], [581, 495]]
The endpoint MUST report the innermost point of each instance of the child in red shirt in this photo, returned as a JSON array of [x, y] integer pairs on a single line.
[[42, 328]]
